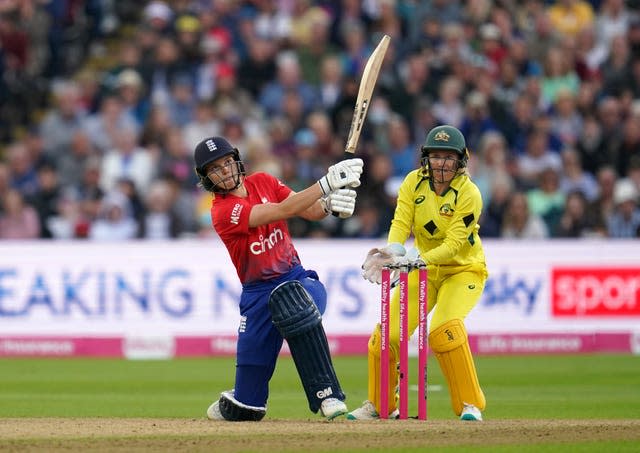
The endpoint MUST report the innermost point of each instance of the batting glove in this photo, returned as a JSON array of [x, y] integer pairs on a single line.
[[342, 202], [344, 173]]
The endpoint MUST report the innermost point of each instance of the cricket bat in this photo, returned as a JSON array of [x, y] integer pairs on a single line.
[[367, 84]]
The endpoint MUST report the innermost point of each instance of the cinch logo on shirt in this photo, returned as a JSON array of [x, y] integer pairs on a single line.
[[235, 213], [264, 244]]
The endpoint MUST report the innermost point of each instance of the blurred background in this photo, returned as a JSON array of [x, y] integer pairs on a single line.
[[102, 102]]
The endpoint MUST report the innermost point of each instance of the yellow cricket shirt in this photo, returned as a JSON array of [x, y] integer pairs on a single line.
[[445, 227]]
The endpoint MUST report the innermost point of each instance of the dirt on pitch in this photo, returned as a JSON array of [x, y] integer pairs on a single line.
[[176, 435]]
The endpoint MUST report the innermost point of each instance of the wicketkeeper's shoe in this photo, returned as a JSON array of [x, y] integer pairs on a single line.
[[365, 412], [332, 408], [213, 413], [471, 413]]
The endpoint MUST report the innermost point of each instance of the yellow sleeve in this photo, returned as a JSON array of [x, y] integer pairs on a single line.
[[402, 222], [463, 224]]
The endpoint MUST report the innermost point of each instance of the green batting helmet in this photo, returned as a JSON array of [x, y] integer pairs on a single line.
[[445, 137]]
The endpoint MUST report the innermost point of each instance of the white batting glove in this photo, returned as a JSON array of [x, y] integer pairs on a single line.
[[377, 258], [344, 173], [341, 202]]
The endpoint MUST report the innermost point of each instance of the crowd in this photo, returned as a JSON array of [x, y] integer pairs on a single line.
[[102, 103]]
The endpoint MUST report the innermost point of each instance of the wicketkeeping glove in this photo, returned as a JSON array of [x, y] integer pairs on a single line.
[[342, 202], [377, 258], [344, 173]]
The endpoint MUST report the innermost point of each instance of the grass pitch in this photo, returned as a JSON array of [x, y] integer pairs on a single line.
[[548, 403]]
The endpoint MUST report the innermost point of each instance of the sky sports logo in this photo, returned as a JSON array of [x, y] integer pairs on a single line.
[[598, 291]]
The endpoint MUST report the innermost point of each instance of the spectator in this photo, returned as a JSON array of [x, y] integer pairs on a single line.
[[181, 100], [5, 180], [625, 219], [281, 137], [519, 222], [609, 111], [330, 81], [492, 47], [574, 222], [68, 221], [328, 150], [104, 126], [477, 120], [23, 168], [616, 67], [414, 82], [311, 36], [558, 75], [288, 79], [366, 223], [155, 129], [490, 162], [547, 200], [130, 89], [612, 20], [259, 68], [232, 100], [45, 200], [129, 58], [70, 164], [63, 119], [127, 187], [574, 178], [18, 220], [566, 123], [590, 54], [492, 219], [401, 150], [447, 108], [602, 207], [159, 220], [127, 160], [569, 17], [160, 73], [509, 82], [630, 146], [204, 123], [115, 221], [538, 156]]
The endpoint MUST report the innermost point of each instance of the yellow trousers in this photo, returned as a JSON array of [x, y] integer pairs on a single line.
[[452, 292]]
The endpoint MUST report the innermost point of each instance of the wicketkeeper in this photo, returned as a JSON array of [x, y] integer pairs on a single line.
[[441, 206]]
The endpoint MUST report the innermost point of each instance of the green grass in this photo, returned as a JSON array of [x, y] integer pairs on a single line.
[[544, 387]]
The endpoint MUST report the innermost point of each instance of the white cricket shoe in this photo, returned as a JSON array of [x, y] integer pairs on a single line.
[[365, 412], [471, 413], [213, 413], [332, 408]]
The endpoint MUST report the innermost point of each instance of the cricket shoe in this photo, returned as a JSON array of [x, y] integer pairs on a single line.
[[213, 413], [332, 408], [365, 412], [471, 413]]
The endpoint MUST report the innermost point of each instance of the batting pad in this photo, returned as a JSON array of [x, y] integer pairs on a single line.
[[373, 358], [298, 320], [450, 344]]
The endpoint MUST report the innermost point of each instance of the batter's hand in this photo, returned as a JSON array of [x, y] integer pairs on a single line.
[[342, 202], [377, 258], [345, 173]]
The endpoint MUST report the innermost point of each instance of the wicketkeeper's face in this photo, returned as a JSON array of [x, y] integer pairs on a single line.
[[443, 165]]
